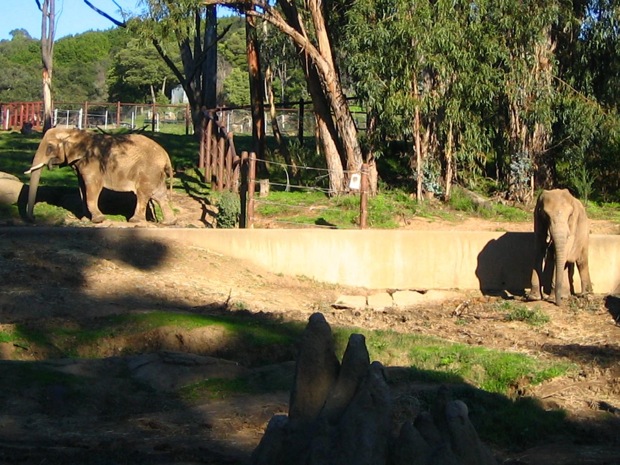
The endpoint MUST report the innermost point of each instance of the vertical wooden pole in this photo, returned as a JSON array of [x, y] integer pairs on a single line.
[[243, 190], [229, 166], [118, 114], [201, 150], [206, 137], [220, 164], [300, 122], [251, 185], [364, 197]]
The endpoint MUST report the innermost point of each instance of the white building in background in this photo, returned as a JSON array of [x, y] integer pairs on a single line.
[[178, 95]]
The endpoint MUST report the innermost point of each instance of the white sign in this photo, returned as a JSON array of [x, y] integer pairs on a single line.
[[355, 182]]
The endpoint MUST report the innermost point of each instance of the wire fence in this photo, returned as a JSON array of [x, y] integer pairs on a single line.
[[293, 119], [309, 212]]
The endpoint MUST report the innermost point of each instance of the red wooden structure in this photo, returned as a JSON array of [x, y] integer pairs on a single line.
[[15, 114]]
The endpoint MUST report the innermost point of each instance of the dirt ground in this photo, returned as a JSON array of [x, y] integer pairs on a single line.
[[116, 420]]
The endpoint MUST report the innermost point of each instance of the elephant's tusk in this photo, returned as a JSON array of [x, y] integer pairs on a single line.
[[34, 168]]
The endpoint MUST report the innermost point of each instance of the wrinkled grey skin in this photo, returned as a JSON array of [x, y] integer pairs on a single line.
[[123, 163], [560, 219]]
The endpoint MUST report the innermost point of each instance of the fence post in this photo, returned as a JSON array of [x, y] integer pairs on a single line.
[[251, 186], [300, 122], [201, 150], [118, 114], [85, 116], [220, 163], [364, 197], [206, 137], [229, 167], [243, 190]]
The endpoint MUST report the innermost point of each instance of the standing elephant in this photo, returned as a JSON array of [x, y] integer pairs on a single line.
[[123, 163], [560, 218]]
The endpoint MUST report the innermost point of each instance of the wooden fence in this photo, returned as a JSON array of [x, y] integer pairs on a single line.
[[15, 114], [224, 170]]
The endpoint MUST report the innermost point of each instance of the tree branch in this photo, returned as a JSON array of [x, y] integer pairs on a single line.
[[272, 16], [104, 14]]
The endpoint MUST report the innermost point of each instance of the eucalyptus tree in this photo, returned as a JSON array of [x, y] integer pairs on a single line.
[[524, 31], [48, 32], [138, 74], [305, 24], [588, 123], [428, 73], [192, 26]]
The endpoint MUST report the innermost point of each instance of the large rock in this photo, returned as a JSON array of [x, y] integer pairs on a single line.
[[342, 414], [10, 189]]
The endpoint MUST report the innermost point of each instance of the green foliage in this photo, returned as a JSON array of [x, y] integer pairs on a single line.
[[491, 370], [460, 201], [237, 88], [521, 312], [229, 209], [137, 69]]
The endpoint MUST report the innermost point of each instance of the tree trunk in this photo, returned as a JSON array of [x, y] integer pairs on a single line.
[[257, 94], [48, 21], [275, 127], [449, 172], [418, 143], [325, 125], [338, 103], [209, 66]]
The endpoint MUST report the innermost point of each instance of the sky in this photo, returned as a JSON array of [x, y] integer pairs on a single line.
[[72, 16]]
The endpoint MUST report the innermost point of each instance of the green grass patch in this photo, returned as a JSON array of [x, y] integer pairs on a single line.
[[433, 359], [460, 201], [514, 311], [604, 211], [74, 340]]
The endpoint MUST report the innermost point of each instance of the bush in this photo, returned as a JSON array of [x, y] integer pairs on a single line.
[[229, 210]]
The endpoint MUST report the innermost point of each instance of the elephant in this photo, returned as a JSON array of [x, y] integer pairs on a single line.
[[561, 227], [122, 163]]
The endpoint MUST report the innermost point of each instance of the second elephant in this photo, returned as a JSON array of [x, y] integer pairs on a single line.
[[122, 163], [560, 222]]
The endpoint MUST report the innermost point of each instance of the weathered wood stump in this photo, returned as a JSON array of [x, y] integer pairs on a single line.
[[342, 414]]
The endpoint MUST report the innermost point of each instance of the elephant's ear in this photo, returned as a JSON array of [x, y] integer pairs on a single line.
[[72, 146]]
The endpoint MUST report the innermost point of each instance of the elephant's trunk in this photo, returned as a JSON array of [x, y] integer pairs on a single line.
[[559, 235], [35, 175]]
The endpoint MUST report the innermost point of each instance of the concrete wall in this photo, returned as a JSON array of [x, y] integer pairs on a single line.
[[378, 259]]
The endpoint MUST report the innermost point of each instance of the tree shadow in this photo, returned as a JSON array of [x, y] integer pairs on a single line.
[[612, 303], [68, 198], [505, 264], [94, 412]]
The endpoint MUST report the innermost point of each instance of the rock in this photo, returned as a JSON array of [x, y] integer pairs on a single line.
[[342, 414], [10, 189], [316, 371], [355, 362], [352, 302], [380, 301]]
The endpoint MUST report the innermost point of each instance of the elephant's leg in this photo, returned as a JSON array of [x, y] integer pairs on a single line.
[[160, 195], [93, 190], [570, 268], [82, 190], [537, 271], [139, 214], [584, 275]]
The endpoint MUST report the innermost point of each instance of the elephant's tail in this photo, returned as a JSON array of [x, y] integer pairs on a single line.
[[170, 176]]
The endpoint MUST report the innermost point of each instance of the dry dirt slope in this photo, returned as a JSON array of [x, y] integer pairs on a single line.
[[115, 419]]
